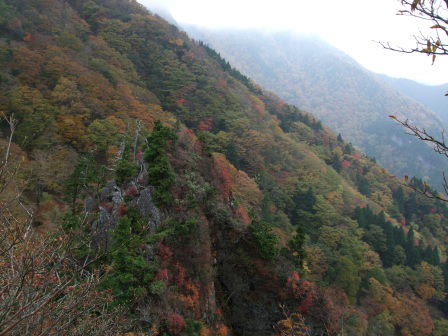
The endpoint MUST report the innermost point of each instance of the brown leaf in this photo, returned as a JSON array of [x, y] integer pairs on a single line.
[[414, 5]]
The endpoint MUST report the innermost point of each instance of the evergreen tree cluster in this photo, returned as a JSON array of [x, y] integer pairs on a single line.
[[160, 173], [394, 246]]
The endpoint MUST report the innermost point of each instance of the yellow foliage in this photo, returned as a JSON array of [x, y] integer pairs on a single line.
[[71, 128], [316, 262], [425, 291], [205, 331], [292, 325], [178, 42]]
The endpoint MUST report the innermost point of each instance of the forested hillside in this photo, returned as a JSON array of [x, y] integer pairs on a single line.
[[432, 96], [311, 74], [152, 189]]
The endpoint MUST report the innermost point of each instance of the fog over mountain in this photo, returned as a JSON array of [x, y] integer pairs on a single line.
[[348, 27], [432, 96], [306, 71]]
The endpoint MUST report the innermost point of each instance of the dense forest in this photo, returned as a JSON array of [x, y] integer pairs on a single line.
[[309, 73], [149, 188], [432, 96]]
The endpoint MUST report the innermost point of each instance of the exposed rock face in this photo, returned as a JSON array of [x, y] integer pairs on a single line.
[[101, 228], [148, 209], [111, 207]]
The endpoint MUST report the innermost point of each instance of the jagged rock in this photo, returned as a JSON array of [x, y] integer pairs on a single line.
[[148, 209], [117, 196], [108, 191], [101, 228], [142, 178], [112, 192]]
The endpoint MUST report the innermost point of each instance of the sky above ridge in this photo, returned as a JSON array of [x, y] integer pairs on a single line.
[[354, 26]]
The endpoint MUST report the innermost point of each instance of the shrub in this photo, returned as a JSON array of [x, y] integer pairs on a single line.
[[175, 323], [158, 287]]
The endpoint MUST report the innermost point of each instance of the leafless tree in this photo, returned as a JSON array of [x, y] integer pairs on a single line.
[[43, 290]]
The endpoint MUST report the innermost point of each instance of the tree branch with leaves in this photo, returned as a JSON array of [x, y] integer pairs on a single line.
[[435, 41]]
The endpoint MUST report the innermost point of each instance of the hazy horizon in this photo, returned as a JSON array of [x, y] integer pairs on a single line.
[[350, 28]]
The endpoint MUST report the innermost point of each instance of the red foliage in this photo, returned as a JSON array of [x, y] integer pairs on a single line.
[[403, 222], [175, 323], [222, 83], [198, 147], [28, 37], [205, 125], [308, 295], [292, 282], [304, 291], [222, 330], [260, 109], [218, 312], [189, 140], [180, 101], [165, 254], [357, 155], [345, 164], [242, 213], [279, 105], [413, 316], [131, 190], [362, 205], [180, 276], [108, 206], [191, 299], [121, 210], [332, 310], [225, 175], [162, 275], [433, 210]]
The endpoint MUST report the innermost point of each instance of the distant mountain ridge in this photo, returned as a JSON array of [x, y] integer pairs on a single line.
[[431, 96], [309, 73]]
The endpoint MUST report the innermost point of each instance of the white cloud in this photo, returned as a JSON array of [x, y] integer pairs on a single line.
[[351, 25]]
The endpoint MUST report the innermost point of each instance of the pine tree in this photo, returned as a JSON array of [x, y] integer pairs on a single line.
[[266, 239], [130, 273], [160, 173]]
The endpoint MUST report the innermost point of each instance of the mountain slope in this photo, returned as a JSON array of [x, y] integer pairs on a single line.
[[318, 78], [217, 208], [432, 96]]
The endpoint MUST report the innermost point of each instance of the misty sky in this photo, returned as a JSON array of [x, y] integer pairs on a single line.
[[350, 25]]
